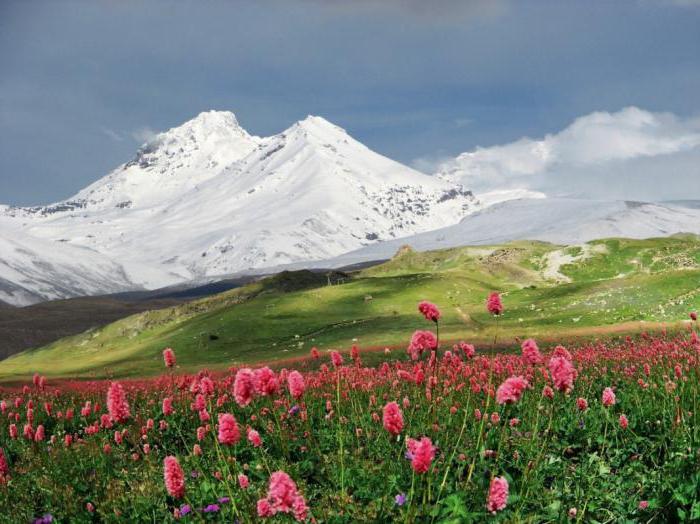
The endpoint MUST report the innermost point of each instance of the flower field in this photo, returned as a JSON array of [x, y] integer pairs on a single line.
[[601, 432]]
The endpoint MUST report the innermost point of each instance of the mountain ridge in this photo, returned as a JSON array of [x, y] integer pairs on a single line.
[[206, 198]]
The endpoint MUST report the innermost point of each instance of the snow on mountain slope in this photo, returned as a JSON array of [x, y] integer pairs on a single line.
[[165, 167], [33, 270], [557, 220], [207, 199]]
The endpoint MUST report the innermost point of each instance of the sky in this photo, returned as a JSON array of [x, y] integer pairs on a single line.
[[83, 83]]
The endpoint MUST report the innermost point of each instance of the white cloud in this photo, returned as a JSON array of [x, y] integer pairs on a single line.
[[648, 154], [143, 134], [111, 133]]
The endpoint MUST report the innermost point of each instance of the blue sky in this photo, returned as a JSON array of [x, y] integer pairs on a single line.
[[81, 83]]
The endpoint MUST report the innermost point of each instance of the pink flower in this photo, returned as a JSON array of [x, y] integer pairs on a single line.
[[295, 382], [4, 467], [117, 405], [494, 304], [336, 358], [643, 504], [265, 381], [623, 421], [421, 341], [421, 453], [563, 373], [39, 434], [392, 418], [169, 357], [608, 397], [264, 508], [168, 406], [174, 477], [531, 353], [467, 349], [581, 404], [429, 310], [498, 494], [229, 433], [243, 481], [314, 353], [511, 390], [561, 351], [243, 387], [282, 497], [254, 438], [548, 392]]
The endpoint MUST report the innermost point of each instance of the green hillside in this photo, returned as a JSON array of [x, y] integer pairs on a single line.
[[547, 290]]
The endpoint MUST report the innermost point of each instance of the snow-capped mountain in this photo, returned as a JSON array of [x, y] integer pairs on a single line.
[[207, 199], [32, 270], [564, 221]]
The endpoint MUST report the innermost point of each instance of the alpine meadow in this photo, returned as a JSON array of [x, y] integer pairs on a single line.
[[349, 262]]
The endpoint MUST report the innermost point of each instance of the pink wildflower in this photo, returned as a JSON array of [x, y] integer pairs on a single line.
[[229, 433], [531, 353], [498, 494], [494, 304], [169, 357], [563, 373], [117, 405], [174, 477], [282, 497], [392, 418], [623, 421], [336, 358], [265, 381], [4, 467], [168, 406], [243, 481], [296, 384], [421, 341], [254, 438], [429, 310], [421, 453], [243, 387], [511, 390], [608, 397]]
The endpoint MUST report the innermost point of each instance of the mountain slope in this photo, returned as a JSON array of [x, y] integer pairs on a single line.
[[610, 286], [207, 199], [558, 220], [32, 270]]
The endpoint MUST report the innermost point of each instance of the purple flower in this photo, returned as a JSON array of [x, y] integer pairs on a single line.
[[400, 499], [224, 500], [185, 509], [409, 455], [46, 519], [294, 410], [211, 508], [194, 474]]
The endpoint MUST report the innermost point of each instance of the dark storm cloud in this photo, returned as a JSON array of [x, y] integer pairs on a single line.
[[81, 83]]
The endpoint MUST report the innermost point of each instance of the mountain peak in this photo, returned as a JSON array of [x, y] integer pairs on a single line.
[[318, 127], [206, 124]]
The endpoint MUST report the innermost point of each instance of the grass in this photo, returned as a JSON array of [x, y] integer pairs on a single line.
[[621, 284]]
